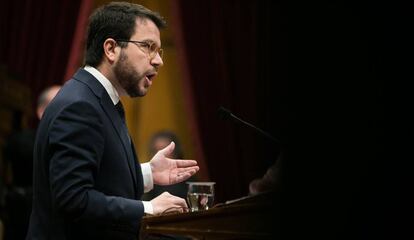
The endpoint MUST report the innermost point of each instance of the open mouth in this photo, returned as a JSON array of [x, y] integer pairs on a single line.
[[151, 76]]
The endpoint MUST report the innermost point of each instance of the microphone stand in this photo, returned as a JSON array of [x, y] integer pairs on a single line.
[[226, 114]]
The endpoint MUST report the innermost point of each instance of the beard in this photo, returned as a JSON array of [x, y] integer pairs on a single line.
[[128, 77]]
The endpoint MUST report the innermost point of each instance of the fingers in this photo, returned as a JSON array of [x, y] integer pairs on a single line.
[[180, 202], [183, 174], [185, 163], [168, 149], [168, 203], [187, 171]]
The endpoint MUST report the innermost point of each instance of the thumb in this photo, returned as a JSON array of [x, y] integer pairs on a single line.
[[168, 149]]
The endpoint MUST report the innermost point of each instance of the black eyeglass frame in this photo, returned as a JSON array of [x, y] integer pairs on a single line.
[[147, 45]]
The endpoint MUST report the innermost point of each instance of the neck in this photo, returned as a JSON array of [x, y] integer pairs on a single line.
[[109, 74]]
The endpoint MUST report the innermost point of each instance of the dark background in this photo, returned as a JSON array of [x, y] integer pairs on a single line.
[[350, 120], [237, 55]]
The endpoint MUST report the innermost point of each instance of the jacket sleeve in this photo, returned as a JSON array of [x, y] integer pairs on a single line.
[[76, 144]]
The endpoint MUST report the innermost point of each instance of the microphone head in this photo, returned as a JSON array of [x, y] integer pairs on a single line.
[[223, 113]]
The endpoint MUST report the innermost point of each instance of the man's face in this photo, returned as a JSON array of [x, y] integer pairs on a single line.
[[135, 69]]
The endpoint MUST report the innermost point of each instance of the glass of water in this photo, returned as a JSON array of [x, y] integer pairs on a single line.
[[200, 195]]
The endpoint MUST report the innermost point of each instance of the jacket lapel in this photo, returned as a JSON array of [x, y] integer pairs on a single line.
[[113, 115]]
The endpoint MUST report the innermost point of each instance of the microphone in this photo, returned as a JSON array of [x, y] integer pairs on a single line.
[[225, 114]]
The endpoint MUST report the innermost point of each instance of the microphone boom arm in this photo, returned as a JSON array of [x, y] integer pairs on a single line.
[[224, 113]]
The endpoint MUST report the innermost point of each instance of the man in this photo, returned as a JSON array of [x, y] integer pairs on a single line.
[[45, 98], [87, 181], [18, 154]]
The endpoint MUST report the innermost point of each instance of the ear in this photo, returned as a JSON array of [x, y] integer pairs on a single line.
[[39, 112], [110, 49]]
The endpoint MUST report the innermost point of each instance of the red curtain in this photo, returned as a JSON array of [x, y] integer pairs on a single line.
[[36, 40], [232, 60]]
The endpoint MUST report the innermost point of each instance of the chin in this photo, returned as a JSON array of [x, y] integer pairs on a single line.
[[137, 93]]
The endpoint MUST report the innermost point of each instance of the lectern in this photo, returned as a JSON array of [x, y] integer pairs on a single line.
[[253, 217]]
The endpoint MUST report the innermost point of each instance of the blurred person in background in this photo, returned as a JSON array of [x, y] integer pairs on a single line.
[[18, 156], [157, 142]]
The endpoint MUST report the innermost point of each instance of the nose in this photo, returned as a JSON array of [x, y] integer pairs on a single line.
[[157, 61]]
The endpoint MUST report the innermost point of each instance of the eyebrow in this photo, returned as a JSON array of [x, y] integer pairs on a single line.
[[150, 41]]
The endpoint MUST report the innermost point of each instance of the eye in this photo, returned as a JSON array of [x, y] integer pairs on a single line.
[[153, 47], [146, 45]]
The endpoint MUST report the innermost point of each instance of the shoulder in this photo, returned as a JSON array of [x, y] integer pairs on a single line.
[[74, 96], [70, 109]]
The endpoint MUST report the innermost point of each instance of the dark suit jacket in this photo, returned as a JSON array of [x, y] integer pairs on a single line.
[[87, 180]]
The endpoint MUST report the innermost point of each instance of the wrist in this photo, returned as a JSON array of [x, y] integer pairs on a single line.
[[147, 176]]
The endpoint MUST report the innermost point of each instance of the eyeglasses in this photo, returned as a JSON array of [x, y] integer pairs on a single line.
[[149, 48]]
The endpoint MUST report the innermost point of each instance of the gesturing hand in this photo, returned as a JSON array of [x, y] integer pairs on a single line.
[[167, 171]]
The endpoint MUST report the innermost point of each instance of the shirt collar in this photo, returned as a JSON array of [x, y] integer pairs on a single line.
[[110, 89]]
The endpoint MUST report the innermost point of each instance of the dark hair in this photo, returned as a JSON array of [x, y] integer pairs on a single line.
[[170, 136], [115, 20]]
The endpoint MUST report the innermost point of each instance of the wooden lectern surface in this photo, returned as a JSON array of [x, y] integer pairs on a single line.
[[254, 217]]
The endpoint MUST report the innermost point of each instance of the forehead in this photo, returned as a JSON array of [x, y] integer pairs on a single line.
[[146, 30]]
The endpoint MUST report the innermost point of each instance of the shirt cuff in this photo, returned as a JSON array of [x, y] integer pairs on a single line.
[[148, 207], [147, 175]]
